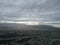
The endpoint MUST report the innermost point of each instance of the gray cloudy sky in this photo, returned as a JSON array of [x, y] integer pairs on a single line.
[[37, 10]]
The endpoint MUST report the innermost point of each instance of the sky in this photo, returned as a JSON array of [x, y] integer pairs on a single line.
[[47, 11]]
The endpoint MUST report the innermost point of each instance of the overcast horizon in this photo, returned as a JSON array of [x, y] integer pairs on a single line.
[[46, 11]]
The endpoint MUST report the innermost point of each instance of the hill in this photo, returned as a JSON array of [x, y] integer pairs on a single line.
[[13, 26]]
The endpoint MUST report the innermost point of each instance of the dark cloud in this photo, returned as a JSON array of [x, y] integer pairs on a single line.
[[38, 10]]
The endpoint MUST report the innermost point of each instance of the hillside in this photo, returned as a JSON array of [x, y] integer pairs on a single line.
[[11, 26]]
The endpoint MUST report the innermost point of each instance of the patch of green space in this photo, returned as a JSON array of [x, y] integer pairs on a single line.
[[41, 29], [54, 36]]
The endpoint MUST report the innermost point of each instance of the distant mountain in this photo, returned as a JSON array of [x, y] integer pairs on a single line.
[[14, 26], [48, 27]]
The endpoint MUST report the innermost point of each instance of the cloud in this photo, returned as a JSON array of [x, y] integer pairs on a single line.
[[38, 10]]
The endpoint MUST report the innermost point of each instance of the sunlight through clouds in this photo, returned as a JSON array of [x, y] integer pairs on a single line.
[[33, 10]]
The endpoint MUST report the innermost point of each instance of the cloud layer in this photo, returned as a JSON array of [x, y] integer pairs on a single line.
[[38, 10]]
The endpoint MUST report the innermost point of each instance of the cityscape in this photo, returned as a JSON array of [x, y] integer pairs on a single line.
[[44, 35]]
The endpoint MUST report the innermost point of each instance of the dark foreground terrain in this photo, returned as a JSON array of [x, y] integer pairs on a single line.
[[18, 34], [30, 37]]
